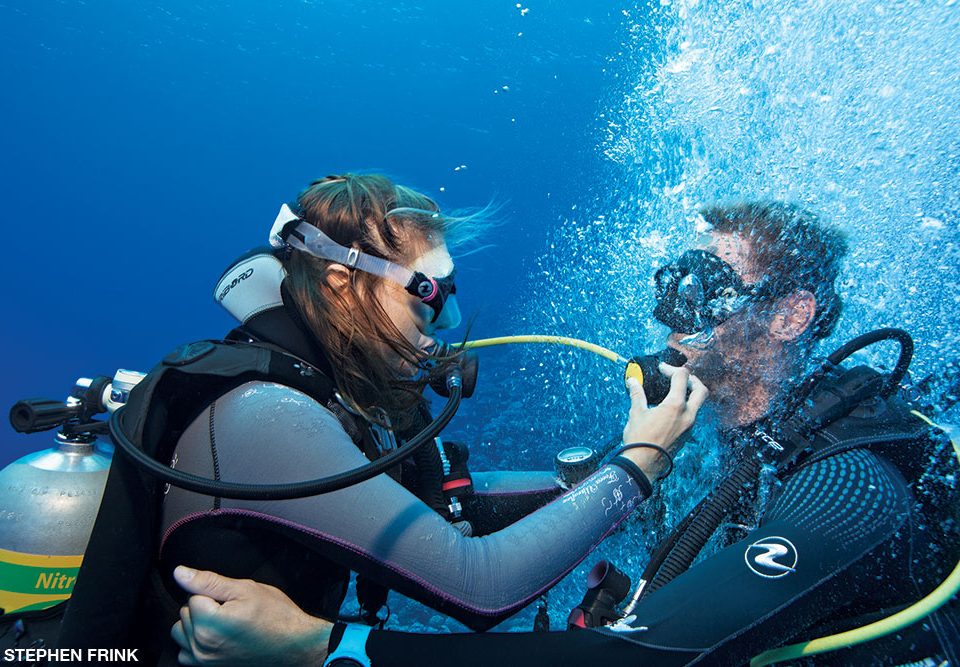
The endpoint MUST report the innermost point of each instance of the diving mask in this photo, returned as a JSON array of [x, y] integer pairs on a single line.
[[289, 230], [700, 291]]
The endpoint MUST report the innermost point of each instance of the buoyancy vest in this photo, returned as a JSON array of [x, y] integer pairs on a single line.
[[843, 412]]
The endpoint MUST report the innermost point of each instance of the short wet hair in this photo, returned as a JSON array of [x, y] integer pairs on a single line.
[[792, 244]]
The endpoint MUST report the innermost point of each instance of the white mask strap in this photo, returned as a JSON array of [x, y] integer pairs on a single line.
[[309, 239]]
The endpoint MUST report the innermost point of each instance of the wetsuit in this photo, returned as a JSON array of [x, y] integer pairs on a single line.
[[267, 433], [840, 539]]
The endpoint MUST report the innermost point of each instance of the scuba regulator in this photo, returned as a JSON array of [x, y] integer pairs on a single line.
[[575, 464]]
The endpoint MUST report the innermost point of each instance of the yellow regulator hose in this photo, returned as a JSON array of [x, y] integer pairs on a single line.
[[550, 340]]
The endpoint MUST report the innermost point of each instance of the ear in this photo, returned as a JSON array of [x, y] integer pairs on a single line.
[[793, 315], [337, 277]]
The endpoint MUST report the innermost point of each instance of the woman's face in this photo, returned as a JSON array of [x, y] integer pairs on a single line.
[[412, 317]]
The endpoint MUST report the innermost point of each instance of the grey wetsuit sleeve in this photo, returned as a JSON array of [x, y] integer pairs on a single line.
[[515, 483], [268, 433]]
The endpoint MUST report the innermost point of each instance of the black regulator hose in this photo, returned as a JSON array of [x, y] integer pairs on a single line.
[[868, 339], [890, 387], [689, 539], [288, 491]]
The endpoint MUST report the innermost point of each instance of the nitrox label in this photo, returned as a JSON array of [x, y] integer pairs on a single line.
[[29, 582]]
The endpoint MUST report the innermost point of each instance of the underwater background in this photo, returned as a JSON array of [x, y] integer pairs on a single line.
[[144, 145]]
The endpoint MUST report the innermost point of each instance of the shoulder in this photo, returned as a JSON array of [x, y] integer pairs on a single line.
[[860, 464], [853, 483], [271, 406]]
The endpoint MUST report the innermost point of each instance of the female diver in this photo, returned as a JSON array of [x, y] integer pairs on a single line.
[[347, 315]]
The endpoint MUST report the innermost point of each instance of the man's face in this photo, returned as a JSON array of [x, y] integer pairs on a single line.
[[741, 346]]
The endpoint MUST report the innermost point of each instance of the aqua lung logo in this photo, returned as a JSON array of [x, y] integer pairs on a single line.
[[236, 281], [771, 557]]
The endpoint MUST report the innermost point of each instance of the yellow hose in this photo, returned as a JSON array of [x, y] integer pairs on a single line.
[[920, 609], [552, 340]]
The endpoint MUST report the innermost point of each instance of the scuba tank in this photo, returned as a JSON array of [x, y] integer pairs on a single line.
[[50, 499], [48, 502]]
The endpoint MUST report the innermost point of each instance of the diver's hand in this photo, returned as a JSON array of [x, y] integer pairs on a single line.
[[242, 622], [665, 423]]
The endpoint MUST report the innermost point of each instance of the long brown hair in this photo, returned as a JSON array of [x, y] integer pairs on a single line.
[[349, 323]]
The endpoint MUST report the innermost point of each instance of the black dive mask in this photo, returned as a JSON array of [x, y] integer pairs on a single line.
[[700, 291]]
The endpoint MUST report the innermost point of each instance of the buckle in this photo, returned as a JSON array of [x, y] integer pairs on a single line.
[[352, 256]]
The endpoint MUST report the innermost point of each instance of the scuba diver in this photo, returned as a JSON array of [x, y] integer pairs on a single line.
[[840, 508], [324, 375]]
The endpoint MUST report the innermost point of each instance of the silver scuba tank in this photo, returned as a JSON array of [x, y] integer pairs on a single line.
[[49, 499]]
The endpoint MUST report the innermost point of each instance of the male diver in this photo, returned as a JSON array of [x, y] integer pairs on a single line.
[[845, 527]]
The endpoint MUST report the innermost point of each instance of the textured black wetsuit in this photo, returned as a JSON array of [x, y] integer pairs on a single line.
[[850, 519]]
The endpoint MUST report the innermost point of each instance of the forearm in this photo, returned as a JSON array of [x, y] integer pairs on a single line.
[[481, 581]]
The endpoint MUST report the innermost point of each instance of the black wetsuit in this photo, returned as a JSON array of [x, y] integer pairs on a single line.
[[848, 529]]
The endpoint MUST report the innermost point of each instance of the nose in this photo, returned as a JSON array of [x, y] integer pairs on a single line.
[[450, 315]]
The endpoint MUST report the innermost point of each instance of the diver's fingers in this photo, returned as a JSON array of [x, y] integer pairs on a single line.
[[210, 584], [187, 622], [204, 634], [179, 635], [190, 648], [698, 394], [638, 399], [679, 377], [185, 657]]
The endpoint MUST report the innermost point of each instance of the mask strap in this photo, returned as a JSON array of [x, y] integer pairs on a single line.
[[309, 239]]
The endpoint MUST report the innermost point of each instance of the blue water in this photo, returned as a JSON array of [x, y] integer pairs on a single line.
[[144, 145]]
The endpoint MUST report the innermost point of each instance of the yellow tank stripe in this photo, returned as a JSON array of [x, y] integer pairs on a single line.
[[39, 560], [11, 602]]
